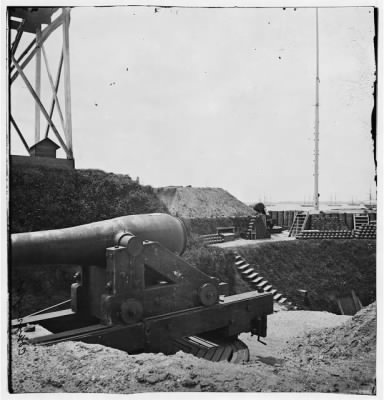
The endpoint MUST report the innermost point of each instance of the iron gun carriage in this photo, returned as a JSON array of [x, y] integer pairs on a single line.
[[136, 293]]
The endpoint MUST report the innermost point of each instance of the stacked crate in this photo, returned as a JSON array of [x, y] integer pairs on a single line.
[[212, 238]]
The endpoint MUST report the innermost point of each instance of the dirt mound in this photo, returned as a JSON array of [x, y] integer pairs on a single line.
[[351, 340], [80, 367], [192, 202]]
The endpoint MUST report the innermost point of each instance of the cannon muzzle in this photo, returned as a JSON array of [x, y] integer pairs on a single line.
[[86, 244]]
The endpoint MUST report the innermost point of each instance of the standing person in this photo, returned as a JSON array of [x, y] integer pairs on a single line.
[[261, 226], [260, 209]]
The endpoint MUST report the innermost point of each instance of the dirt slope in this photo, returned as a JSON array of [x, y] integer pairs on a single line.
[[192, 202], [306, 352], [354, 338], [327, 269]]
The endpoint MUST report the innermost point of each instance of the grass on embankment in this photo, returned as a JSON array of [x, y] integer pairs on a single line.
[[42, 198], [327, 269], [215, 262]]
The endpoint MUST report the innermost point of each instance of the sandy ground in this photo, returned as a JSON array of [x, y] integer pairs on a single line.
[[306, 351], [277, 237], [295, 323]]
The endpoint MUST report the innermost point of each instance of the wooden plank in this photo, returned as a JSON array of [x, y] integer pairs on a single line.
[[44, 36], [349, 220], [50, 29], [24, 53], [280, 216], [34, 319], [67, 80], [274, 216], [235, 315], [53, 101], [305, 221], [285, 219], [53, 87], [30, 88], [13, 122], [291, 229], [16, 42], [243, 297], [111, 336], [290, 218], [57, 307]]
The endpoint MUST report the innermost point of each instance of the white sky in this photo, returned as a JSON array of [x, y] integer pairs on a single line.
[[219, 97]]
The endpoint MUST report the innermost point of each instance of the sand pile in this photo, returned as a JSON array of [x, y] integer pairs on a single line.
[[193, 202], [80, 367], [355, 338]]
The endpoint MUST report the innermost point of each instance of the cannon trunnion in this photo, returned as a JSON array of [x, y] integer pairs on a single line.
[[136, 293]]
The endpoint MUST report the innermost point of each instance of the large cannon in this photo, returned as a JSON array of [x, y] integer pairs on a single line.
[[137, 294], [86, 244]]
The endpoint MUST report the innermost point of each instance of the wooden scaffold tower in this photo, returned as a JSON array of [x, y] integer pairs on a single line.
[[40, 23]]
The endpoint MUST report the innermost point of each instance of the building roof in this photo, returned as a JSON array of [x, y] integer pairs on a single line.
[[46, 141]]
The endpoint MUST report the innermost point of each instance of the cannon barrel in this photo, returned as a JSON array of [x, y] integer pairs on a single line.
[[86, 244]]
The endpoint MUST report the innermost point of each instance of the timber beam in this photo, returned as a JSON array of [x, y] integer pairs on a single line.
[[26, 19]]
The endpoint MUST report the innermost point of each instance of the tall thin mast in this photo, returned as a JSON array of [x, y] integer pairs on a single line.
[[316, 172]]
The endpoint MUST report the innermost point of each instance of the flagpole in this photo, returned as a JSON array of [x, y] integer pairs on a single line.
[[316, 153]]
